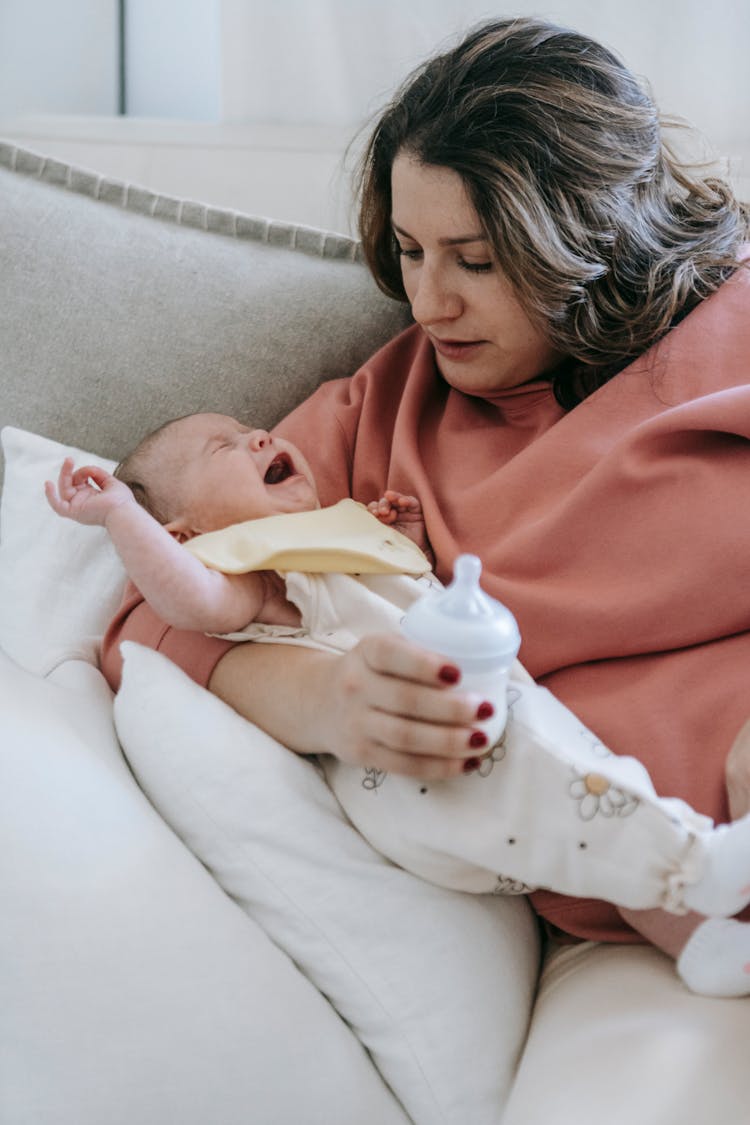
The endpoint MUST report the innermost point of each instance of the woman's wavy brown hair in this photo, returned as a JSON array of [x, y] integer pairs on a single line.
[[607, 239]]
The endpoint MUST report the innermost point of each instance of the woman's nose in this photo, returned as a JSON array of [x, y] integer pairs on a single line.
[[259, 439], [432, 298]]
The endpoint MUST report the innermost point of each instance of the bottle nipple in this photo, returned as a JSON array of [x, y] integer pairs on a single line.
[[463, 623]]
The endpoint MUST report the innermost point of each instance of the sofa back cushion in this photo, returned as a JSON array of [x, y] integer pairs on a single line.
[[120, 308]]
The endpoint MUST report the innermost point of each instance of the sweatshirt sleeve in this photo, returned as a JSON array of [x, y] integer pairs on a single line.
[[196, 653]]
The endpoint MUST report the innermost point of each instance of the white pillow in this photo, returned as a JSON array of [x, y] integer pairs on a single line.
[[437, 985], [60, 583], [134, 992]]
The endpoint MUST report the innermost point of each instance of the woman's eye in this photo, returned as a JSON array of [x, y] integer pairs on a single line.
[[412, 255], [475, 267]]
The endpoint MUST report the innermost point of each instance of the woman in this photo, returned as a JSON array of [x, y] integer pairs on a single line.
[[572, 406]]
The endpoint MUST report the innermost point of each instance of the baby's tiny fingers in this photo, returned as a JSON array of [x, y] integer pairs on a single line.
[[54, 499], [401, 500], [87, 474], [66, 471]]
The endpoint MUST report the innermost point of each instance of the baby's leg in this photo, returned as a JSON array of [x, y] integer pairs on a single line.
[[712, 954], [730, 843], [738, 774], [552, 808]]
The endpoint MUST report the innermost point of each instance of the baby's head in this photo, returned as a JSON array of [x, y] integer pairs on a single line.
[[207, 471]]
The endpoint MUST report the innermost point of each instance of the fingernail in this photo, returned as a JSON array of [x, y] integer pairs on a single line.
[[472, 764], [485, 711], [449, 674], [478, 738]]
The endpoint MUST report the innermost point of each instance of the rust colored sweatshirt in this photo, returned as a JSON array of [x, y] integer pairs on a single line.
[[618, 534]]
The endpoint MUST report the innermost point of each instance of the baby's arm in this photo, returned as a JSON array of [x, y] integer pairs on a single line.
[[181, 590], [405, 514]]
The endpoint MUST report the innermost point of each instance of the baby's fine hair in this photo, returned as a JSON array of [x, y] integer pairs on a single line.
[[607, 239], [141, 473]]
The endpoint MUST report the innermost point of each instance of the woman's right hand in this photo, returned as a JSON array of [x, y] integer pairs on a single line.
[[386, 704]]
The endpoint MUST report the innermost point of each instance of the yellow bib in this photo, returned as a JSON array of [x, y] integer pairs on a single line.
[[344, 538]]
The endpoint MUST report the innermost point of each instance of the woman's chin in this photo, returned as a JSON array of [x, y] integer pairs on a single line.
[[474, 378], [484, 378]]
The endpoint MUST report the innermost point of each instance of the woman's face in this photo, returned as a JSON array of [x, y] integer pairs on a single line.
[[484, 341]]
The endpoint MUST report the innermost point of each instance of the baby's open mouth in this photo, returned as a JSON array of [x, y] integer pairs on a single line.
[[280, 468]]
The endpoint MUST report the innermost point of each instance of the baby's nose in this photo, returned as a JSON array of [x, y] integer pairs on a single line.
[[259, 439]]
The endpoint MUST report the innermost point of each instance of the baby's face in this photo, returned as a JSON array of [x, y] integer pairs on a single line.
[[229, 473]]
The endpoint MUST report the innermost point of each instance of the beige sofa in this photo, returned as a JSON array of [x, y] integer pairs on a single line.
[[191, 932], [137, 990]]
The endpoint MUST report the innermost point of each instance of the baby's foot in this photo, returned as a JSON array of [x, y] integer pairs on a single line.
[[724, 886], [715, 960]]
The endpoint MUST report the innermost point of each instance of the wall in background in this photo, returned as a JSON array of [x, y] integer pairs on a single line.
[[269, 92], [58, 56], [173, 59]]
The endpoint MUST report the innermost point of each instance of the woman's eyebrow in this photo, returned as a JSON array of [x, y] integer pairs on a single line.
[[444, 241]]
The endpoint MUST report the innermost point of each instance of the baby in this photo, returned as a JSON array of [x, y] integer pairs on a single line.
[[549, 806], [194, 475]]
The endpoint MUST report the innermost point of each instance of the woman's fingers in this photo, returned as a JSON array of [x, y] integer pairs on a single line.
[[401, 702], [400, 714], [389, 654]]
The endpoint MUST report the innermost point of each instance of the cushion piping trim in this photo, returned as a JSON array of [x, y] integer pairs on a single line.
[[183, 212]]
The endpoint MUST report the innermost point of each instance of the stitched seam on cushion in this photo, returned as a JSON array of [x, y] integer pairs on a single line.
[[330, 244]]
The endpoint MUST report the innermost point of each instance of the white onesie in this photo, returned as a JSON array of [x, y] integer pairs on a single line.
[[549, 807]]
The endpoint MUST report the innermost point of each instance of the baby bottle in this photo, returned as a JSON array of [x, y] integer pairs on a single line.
[[473, 631]]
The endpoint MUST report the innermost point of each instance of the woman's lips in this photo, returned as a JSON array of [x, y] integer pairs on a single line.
[[456, 349]]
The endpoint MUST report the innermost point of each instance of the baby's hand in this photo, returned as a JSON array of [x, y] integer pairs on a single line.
[[396, 508], [87, 495], [405, 514]]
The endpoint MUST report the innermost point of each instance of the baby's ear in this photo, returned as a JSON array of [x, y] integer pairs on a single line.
[[180, 530]]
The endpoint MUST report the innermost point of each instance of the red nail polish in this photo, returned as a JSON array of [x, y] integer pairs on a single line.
[[449, 674], [472, 764], [485, 711], [478, 738]]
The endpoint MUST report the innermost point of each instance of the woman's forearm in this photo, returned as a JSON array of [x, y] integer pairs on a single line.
[[385, 704], [280, 688]]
